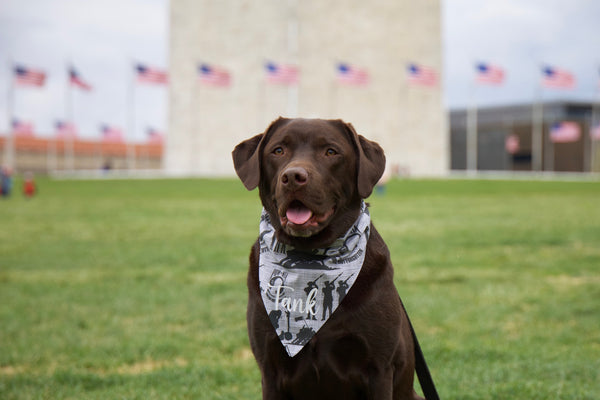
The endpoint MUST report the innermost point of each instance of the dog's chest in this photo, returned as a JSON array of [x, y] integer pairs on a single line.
[[332, 365]]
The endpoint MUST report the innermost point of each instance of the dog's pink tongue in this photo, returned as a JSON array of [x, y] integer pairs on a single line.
[[298, 214]]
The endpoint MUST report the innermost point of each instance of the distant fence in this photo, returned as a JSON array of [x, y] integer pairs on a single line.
[[42, 155]]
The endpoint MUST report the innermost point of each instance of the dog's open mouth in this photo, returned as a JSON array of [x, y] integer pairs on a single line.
[[297, 213], [299, 220]]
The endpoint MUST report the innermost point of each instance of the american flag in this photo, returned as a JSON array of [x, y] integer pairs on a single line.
[[76, 80], [420, 75], [595, 131], [214, 76], [24, 129], [146, 74], [557, 78], [111, 134], [512, 144], [489, 74], [565, 132], [281, 73], [29, 77], [154, 136], [65, 130], [350, 75]]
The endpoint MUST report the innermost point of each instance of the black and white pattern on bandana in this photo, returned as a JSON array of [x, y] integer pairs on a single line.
[[301, 290]]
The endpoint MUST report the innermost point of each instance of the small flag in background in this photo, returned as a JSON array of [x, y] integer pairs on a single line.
[[489, 74], [76, 80], [22, 129], [512, 144], [65, 130], [154, 136], [111, 134], [151, 75], [422, 76], [29, 77], [565, 132], [214, 76], [350, 75], [281, 73], [557, 78], [595, 131]]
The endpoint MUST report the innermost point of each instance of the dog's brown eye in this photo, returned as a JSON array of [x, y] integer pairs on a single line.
[[278, 151], [331, 152]]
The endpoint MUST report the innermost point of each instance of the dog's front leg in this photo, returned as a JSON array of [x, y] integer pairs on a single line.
[[270, 386], [381, 385]]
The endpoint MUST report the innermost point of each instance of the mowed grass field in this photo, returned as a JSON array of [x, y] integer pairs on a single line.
[[135, 289]]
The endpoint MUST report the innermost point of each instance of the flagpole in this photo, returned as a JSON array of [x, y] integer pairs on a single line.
[[262, 99], [292, 101], [131, 120], [292, 47], [472, 132], [9, 147], [334, 92], [52, 146], [549, 145], [195, 131], [586, 142], [595, 120], [51, 157], [537, 119], [262, 87], [68, 139], [333, 98]]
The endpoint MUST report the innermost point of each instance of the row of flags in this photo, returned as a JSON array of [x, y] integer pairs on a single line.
[[288, 74], [66, 130], [212, 75], [25, 76], [551, 77], [113, 134]]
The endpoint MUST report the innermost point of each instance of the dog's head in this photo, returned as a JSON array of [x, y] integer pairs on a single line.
[[311, 175]]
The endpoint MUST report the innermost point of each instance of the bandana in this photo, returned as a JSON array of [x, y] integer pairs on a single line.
[[300, 290]]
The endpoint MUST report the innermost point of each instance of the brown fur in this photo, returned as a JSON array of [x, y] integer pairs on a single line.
[[365, 350]]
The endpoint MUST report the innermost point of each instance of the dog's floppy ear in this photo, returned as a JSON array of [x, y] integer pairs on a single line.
[[246, 155], [371, 162], [246, 161]]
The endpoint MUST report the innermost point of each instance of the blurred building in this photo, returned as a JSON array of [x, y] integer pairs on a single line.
[[505, 138], [45, 155], [240, 36]]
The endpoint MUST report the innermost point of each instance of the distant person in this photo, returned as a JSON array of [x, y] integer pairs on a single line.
[[29, 185], [383, 181], [107, 166], [6, 181]]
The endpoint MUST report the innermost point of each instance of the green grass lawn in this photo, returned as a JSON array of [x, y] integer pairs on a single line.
[[136, 289]]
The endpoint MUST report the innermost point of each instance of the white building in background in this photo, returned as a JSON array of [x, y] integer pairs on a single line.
[[381, 36]]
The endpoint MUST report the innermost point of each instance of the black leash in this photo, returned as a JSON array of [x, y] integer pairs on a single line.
[[425, 379]]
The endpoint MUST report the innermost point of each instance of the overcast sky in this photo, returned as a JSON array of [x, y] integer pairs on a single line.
[[520, 36], [103, 38]]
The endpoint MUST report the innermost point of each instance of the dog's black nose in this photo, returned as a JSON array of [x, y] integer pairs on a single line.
[[294, 176]]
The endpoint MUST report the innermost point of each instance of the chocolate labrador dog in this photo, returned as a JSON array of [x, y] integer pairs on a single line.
[[347, 342]]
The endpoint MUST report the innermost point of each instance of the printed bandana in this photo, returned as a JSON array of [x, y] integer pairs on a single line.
[[300, 290]]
